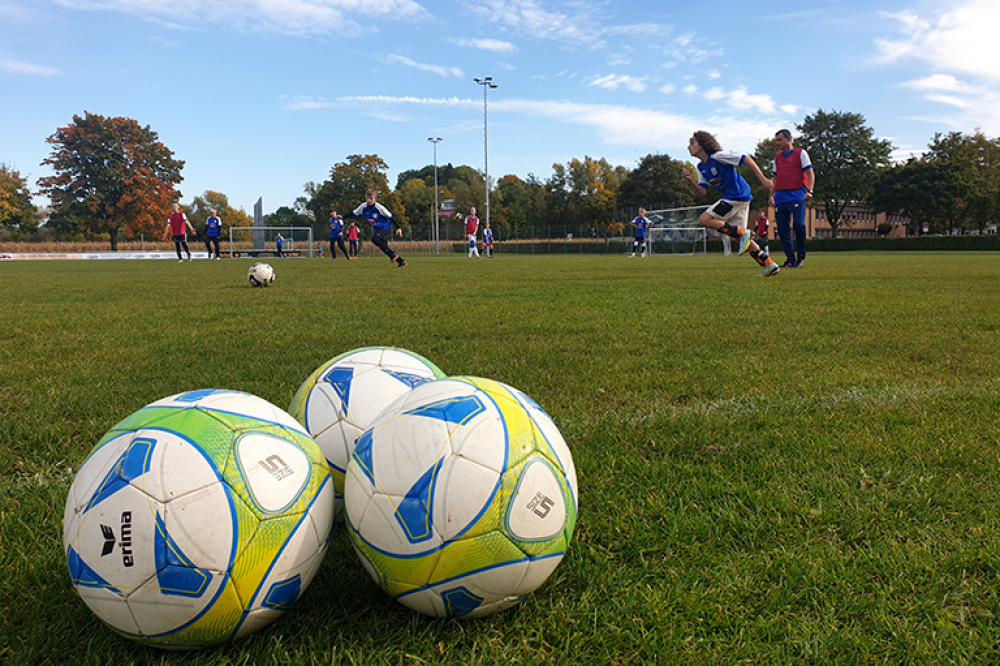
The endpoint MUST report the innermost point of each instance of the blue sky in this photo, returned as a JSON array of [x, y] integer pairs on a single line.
[[259, 97]]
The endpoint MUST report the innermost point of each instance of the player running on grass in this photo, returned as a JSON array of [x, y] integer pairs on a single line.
[[382, 223], [728, 215]]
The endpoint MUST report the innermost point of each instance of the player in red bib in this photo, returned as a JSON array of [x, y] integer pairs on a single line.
[[471, 227], [177, 226]]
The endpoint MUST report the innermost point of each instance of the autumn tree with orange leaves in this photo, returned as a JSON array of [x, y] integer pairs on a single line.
[[112, 175]]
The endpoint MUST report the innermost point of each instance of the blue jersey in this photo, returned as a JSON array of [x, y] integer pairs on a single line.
[[641, 224], [487, 236], [213, 227], [720, 172], [377, 214], [336, 228]]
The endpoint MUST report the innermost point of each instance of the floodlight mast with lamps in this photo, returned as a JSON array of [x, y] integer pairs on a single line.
[[486, 83], [437, 208]]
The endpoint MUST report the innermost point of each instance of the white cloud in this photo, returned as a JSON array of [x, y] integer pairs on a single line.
[[691, 89], [433, 69], [616, 125], [958, 45], [287, 16], [961, 39], [26, 68], [667, 88], [495, 45], [616, 81]]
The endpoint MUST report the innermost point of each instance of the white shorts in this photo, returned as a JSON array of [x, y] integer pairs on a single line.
[[730, 211]]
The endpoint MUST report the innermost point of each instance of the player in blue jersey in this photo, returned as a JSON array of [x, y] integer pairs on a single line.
[[640, 223], [488, 241], [382, 222], [728, 215], [337, 234], [213, 228]]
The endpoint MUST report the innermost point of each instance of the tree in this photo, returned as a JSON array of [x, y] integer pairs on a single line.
[[847, 158], [656, 183], [16, 210], [977, 160], [345, 189], [921, 189], [113, 174]]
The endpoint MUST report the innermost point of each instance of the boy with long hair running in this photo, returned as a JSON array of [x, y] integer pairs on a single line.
[[728, 215]]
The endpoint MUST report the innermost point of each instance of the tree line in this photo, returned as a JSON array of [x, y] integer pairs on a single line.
[[114, 179]]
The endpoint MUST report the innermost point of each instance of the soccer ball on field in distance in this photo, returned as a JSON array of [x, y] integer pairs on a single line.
[[198, 519], [260, 275], [340, 399], [461, 499]]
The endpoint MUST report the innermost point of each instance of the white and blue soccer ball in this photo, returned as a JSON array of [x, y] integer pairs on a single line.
[[260, 275], [198, 519], [341, 398], [462, 498]]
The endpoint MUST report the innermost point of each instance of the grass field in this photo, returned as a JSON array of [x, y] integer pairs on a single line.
[[795, 470]]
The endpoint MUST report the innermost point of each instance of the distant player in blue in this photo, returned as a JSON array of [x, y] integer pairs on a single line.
[[488, 241], [729, 214], [640, 223], [337, 234], [279, 243], [213, 227], [382, 222]]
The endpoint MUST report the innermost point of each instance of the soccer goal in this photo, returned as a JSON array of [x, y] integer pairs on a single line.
[[676, 231], [262, 241]]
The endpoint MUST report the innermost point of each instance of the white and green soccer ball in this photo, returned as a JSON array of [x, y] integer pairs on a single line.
[[341, 398], [462, 498], [198, 519], [260, 275]]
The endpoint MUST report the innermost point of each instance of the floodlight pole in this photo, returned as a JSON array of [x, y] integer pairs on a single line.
[[486, 83], [437, 234]]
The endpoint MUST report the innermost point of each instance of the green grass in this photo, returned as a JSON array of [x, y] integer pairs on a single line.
[[802, 469]]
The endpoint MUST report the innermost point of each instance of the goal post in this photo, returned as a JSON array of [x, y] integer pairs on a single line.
[[257, 241], [676, 231]]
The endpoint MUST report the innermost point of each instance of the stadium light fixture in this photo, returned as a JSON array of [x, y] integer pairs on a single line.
[[437, 208], [486, 83]]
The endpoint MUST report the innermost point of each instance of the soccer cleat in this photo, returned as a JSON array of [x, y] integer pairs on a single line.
[[768, 271], [744, 242], [401, 264]]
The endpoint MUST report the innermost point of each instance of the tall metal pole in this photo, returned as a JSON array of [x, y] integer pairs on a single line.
[[486, 83], [437, 234]]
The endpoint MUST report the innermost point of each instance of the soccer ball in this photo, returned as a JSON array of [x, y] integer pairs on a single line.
[[461, 499], [260, 275], [198, 519], [338, 401]]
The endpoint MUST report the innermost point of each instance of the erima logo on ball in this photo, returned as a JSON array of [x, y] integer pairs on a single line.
[[126, 542]]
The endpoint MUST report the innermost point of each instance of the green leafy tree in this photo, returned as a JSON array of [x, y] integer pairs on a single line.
[[847, 158], [345, 189], [113, 175], [977, 160], [418, 199], [923, 190], [16, 210], [594, 185], [657, 183]]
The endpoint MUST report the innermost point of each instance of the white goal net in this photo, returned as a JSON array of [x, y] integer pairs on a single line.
[[676, 231], [263, 242]]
